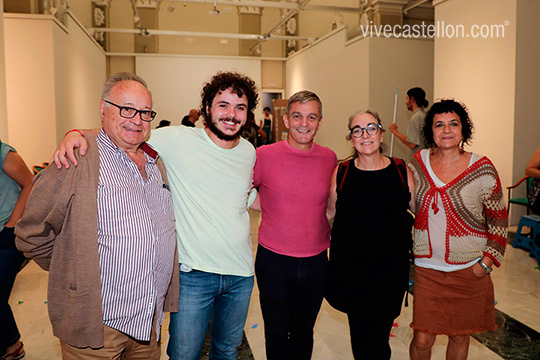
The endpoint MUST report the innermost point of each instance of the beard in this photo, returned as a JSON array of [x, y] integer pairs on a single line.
[[212, 125]]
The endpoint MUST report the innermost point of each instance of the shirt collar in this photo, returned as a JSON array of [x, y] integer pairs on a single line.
[[110, 145]]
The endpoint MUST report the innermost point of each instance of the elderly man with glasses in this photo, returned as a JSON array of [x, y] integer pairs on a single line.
[[105, 232]]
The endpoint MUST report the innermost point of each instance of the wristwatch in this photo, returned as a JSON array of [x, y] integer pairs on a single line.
[[485, 267]]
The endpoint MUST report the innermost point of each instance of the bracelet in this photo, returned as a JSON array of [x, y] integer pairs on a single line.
[[79, 131], [484, 267]]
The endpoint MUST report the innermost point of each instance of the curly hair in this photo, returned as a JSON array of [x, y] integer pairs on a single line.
[[447, 106], [239, 85]]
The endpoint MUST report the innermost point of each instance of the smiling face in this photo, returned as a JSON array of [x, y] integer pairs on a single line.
[[227, 116], [127, 134], [366, 144], [447, 130], [303, 122]]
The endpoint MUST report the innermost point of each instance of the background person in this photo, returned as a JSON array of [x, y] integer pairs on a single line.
[[460, 232], [266, 124], [190, 119], [533, 170], [415, 102], [371, 236], [253, 133], [16, 183], [163, 123]]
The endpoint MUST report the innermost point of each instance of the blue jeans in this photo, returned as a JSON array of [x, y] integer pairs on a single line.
[[10, 263], [222, 300]]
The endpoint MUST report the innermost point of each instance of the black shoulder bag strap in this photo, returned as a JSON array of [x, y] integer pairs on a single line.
[[402, 171], [342, 173]]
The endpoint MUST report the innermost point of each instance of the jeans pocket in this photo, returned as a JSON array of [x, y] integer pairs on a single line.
[[7, 237]]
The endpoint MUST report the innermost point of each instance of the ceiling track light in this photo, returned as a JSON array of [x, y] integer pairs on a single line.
[[214, 11]]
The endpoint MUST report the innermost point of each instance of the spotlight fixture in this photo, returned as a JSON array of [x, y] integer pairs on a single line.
[[214, 11]]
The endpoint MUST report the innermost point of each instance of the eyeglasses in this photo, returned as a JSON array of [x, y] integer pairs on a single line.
[[129, 113], [358, 131]]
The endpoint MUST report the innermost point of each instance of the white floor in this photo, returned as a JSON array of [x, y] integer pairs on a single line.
[[517, 288]]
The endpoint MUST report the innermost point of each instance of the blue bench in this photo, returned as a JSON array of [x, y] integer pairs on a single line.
[[526, 241]]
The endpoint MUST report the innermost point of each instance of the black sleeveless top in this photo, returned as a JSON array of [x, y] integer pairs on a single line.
[[371, 234]]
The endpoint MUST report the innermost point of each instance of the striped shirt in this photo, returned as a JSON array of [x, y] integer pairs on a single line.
[[136, 240]]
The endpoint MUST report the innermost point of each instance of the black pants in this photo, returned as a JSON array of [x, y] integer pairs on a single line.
[[370, 335], [291, 291], [10, 263]]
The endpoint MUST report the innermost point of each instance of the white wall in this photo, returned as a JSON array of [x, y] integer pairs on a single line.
[[481, 73], [176, 81], [359, 74], [269, 18], [319, 23], [338, 74], [401, 63], [199, 20], [29, 48], [82, 11], [80, 72], [121, 17], [54, 77]]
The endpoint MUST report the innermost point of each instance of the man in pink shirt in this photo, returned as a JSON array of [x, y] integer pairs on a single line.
[[293, 177]]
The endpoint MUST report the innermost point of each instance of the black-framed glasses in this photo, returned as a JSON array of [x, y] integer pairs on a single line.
[[129, 113], [358, 131]]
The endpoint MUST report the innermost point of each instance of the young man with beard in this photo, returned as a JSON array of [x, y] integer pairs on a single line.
[[291, 264], [210, 170], [416, 102]]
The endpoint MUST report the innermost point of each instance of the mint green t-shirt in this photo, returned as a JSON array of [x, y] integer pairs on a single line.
[[211, 188]]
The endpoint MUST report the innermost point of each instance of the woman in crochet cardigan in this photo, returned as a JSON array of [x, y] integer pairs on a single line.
[[459, 234]]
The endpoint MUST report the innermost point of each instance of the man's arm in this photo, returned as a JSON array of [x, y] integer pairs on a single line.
[[262, 134], [43, 218], [332, 197], [15, 168], [394, 129], [533, 167], [72, 140], [256, 205]]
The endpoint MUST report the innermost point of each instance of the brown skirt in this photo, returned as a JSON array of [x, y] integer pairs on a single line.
[[452, 303]]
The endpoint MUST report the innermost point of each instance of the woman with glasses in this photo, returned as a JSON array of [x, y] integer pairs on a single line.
[[459, 234], [371, 235]]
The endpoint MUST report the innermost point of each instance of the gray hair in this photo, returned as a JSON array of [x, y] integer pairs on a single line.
[[303, 97], [371, 112], [118, 77]]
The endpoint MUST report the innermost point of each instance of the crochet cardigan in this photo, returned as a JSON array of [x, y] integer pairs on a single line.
[[476, 216]]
